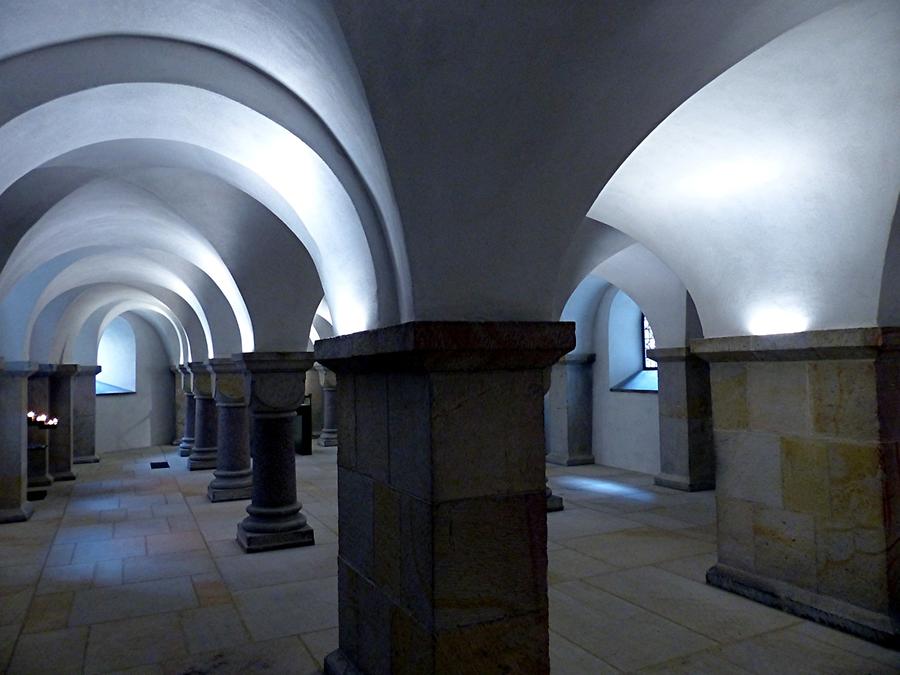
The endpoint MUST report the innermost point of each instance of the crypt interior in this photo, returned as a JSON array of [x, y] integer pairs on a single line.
[[449, 337]]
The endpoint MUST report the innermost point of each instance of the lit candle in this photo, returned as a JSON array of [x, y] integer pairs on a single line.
[[42, 418], [31, 414]]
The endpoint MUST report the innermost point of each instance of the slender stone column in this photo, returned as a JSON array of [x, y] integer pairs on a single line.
[[807, 433], [61, 447], [233, 475], [180, 404], [84, 415], [14, 506], [570, 411], [329, 435], [190, 411], [442, 563], [686, 455], [275, 385], [203, 454], [38, 437]]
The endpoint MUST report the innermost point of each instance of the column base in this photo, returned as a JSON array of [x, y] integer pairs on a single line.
[[67, 475], [228, 494], [89, 459], [36, 495], [822, 609], [328, 439], [202, 458], [16, 515], [570, 461], [554, 503], [337, 663], [683, 483], [230, 486], [40, 482], [255, 542]]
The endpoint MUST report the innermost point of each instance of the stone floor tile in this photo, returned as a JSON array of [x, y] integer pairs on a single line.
[[576, 522], [72, 534], [14, 606], [621, 633], [848, 643], [278, 567], [113, 515], [140, 528], [107, 573], [25, 552], [112, 549], [134, 642], [707, 662], [788, 652], [132, 600], [211, 628], [321, 643], [693, 567], [169, 509], [568, 658], [58, 652], [174, 542], [565, 565], [221, 548], [289, 609], [8, 635], [15, 577], [710, 611], [184, 523], [166, 565], [211, 589], [135, 501], [637, 547], [60, 554], [66, 578], [48, 612], [284, 655]]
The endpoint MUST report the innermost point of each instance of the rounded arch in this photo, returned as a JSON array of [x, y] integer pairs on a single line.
[[289, 178]]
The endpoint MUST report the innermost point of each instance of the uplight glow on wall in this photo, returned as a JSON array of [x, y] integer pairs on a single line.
[[775, 320], [721, 179]]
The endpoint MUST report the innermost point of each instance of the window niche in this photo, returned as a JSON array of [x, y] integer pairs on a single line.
[[116, 355], [630, 336]]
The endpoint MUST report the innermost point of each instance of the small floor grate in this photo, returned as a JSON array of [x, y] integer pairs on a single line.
[[159, 465]]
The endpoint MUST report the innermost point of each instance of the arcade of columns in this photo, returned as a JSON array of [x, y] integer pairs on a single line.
[[443, 541]]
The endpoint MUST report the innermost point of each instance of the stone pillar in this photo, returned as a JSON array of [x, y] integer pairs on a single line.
[[190, 412], [203, 454], [180, 403], [84, 415], [62, 445], [233, 475], [39, 402], [686, 456], [14, 506], [329, 434], [275, 383], [570, 411], [807, 433], [442, 563]]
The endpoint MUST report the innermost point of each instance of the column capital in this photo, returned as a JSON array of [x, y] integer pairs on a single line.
[[275, 381], [43, 370], [449, 346], [18, 368], [86, 370], [66, 369], [201, 379], [227, 381]]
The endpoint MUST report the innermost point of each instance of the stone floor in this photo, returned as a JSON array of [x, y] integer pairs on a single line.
[[131, 569]]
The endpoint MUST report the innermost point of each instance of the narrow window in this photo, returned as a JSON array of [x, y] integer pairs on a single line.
[[649, 343]]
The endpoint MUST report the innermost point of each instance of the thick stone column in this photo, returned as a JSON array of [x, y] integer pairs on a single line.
[[275, 385], [14, 506], [686, 455], [329, 435], [61, 446], [180, 404], [233, 475], [570, 411], [203, 454], [39, 437], [190, 411], [84, 415], [807, 434], [442, 563]]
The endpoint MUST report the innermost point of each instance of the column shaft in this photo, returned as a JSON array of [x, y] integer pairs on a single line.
[[203, 454], [61, 437], [233, 475], [84, 416], [14, 506], [190, 417]]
